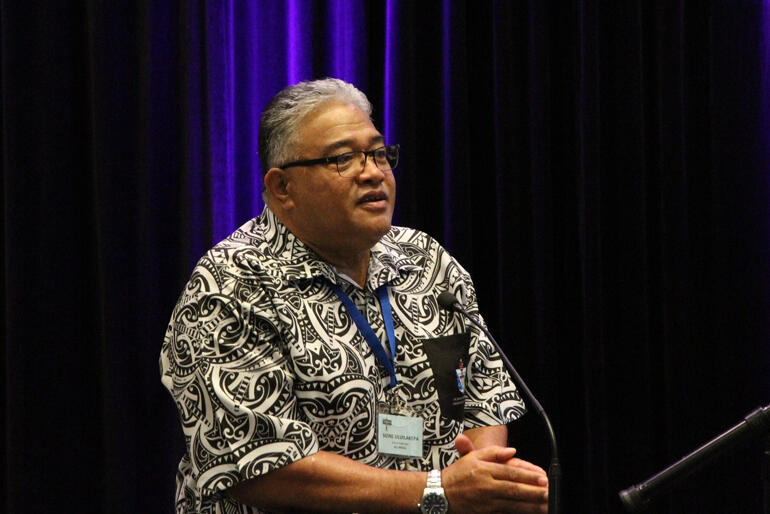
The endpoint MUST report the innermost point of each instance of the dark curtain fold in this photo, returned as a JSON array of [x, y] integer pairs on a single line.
[[601, 168]]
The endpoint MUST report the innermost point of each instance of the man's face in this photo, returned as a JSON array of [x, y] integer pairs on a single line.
[[330, 212]]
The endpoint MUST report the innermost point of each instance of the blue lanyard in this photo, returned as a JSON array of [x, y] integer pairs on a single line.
[[366, 329]]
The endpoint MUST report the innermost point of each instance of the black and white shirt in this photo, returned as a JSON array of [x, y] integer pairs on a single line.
[[266, 366]]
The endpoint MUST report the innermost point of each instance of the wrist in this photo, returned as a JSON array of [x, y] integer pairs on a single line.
[[433, 500]]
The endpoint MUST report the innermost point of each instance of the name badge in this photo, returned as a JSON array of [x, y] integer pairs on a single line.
[[399, 436]]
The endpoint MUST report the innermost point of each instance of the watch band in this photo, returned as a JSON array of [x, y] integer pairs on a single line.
[[434, 478]]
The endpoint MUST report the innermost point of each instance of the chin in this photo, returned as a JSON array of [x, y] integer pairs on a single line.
[[385, 224], [377, 231]]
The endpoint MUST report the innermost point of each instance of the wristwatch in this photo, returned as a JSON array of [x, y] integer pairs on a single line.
[[433, 499]]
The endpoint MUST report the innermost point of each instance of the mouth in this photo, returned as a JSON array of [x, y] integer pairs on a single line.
[[373, 197]]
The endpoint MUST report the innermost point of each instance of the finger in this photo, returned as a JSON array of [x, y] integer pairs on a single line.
[[523, 493], [507, 496], [518, 475], [521, 463], [463, 444], [524, 508], [495, 454], [527, 508]]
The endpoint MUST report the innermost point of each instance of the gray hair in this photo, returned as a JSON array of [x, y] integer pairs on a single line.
[[279, 120]]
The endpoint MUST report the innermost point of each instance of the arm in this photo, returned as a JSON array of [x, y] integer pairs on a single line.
[[329, 482], [481, 437]]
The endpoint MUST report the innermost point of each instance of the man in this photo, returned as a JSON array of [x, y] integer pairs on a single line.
[[307, 355]]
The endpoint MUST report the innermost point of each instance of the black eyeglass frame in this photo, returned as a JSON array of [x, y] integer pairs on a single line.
[[335, 158]]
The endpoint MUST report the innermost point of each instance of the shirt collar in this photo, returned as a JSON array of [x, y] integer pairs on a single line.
[[295, 261], [291, 258], [388, 262]]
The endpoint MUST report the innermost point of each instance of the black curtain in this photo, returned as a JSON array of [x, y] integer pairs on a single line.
[[600, 168]]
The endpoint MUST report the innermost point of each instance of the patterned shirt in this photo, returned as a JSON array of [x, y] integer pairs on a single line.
[[266, 366]]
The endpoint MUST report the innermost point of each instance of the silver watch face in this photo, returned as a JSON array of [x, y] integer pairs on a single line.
[[433, 503]]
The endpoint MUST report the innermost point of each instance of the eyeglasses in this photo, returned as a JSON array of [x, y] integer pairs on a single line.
[[350, 164]]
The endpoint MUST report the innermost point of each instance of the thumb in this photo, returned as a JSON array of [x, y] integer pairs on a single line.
[[463, 444]]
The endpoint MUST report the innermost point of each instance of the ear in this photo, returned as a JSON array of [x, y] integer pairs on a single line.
[[277, 184]]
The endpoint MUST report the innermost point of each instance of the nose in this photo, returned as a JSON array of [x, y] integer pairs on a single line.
[[370, 171]]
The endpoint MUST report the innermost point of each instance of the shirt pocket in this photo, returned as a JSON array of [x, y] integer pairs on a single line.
[[448, 359]]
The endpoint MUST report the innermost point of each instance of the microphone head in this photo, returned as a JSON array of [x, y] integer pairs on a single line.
[[447, 300], [633, 499]]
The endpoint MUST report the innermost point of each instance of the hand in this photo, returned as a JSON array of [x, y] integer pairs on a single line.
[[464, 445], [492, 480]]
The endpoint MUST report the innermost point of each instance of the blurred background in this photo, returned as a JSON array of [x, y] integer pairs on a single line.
[[601, 169]]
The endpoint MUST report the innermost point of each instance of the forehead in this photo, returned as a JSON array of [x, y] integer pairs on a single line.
[[336, 124]]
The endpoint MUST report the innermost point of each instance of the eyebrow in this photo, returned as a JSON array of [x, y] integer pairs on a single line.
[[349, 142]]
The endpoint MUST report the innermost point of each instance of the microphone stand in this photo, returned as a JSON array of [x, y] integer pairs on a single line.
[[637, 497], [448, 301], [766, 475]]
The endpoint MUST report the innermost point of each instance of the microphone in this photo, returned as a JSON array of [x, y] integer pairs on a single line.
[[447, 301], [638, 497]]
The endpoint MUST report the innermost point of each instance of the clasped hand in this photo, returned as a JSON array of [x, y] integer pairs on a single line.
[[491, 479]]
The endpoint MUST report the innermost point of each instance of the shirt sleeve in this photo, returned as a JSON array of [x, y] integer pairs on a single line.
[[491, 396], [227, 370]]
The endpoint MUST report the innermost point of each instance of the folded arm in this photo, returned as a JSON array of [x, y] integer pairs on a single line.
[[480, 481]]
